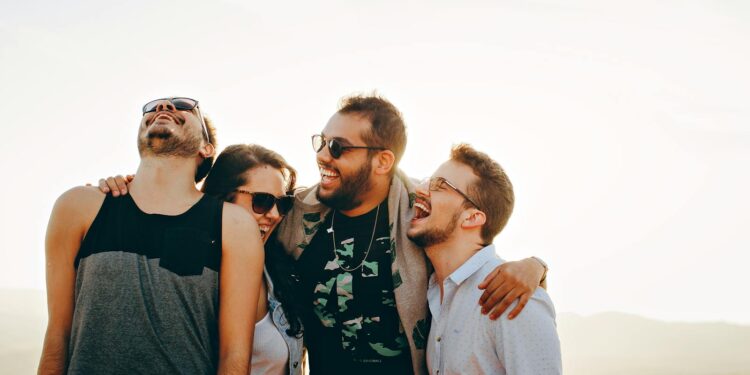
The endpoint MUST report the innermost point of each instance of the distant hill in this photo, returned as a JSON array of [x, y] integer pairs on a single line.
[[616, 343], [609, 343]]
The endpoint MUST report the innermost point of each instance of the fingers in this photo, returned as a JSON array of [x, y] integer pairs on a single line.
[[103, 186], [129, 178], [496, 294], [504, 304], [488, 278], [120, 184], [521, 304]]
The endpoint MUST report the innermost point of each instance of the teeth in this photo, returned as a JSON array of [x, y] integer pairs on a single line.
[[422, 207], [264, 229], [328, 172]]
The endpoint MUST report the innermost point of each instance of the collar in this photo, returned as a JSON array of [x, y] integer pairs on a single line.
[[471, 266]]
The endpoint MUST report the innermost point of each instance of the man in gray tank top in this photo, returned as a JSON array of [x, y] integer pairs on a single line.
[[133, 282]]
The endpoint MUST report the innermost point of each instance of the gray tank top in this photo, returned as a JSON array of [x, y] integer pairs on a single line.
[[147, 291]]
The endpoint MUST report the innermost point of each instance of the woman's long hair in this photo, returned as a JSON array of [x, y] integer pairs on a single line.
[[228, 174]]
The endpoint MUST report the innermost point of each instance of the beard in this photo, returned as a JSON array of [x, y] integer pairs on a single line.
[[162, 142], [347, 196], [433, 236]]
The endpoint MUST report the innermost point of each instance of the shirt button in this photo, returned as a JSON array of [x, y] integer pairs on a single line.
[[438, 339], [295, 364]]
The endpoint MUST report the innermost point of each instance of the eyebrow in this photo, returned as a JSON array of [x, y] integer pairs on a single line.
[[344, 141]]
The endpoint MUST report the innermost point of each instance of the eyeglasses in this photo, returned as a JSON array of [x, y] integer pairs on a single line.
[[436, 182], [180, 104], [264, 202], [335, 146]]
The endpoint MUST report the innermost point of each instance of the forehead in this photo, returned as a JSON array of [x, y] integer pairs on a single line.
[[348, 127], [458, 174], [264, 179]]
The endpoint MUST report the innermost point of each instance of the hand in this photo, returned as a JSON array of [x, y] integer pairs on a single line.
[[508, 282], [118, 185]]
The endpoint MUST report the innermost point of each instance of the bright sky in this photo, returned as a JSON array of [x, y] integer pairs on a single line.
[[623, 125]]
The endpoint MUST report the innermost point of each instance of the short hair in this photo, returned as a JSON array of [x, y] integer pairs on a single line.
[[205, 166], [492, 189], [387, 126], [229, 170]]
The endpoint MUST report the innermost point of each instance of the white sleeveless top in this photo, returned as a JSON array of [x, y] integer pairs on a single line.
[[270, 353]]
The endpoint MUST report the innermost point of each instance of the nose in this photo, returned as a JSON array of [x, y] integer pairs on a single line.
[[324, 155], [273, 213], [423, 188], [165, 105]]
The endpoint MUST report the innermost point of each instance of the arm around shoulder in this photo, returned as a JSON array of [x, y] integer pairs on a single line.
[[240, 278]]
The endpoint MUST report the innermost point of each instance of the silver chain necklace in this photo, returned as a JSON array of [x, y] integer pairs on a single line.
[[333, 236]]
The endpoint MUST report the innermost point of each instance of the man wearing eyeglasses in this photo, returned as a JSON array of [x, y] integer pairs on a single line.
[[363, 284], [458, 212], [133, 282]]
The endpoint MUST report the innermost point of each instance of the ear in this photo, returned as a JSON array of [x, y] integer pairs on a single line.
[[384, 162], [207, 150], [475, 219]]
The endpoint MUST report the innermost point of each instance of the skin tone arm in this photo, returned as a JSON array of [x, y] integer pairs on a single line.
[[71, 217], [240, 279], [508, 282]]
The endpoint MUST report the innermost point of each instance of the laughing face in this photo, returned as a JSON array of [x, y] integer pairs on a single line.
[[262, 179], [170, 132], [438, 213], [343, 181]]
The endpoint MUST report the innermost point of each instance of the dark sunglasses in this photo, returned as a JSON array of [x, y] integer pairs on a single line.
[[180, 104], [436, 182], [335, 146], [264, 202]]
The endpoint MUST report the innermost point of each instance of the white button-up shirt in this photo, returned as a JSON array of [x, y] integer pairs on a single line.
[[463, 341]]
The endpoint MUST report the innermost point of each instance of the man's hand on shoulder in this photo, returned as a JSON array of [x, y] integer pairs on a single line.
[[509, 282], [117, 185]]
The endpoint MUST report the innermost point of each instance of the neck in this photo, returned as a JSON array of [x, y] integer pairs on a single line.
[[371, 199], [448, 256], [165, 182]]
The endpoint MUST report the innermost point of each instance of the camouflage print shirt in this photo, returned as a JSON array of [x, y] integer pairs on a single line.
[[353, 325]]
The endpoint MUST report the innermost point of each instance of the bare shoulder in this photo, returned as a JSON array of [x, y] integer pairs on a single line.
[[235, 216], [239, 230], [80, 200]]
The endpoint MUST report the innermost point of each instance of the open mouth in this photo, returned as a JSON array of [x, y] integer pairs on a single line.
[[422, 209], [327, 175], [264, 230]]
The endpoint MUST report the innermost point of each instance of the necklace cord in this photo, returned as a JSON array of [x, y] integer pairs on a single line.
[[372, 237]]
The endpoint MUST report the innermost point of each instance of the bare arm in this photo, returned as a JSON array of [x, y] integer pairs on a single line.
[[511, 281], [70, 219], [240, 278]]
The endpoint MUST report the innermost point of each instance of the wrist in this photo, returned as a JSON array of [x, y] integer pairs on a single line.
[[544, 267]]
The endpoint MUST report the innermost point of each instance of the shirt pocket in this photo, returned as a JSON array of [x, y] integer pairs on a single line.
[[186, 251]]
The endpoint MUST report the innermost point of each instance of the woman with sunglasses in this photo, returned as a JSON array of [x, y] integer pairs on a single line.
[[259, 179]]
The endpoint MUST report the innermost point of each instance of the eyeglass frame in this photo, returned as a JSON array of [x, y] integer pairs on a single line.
[[196, 106], [434, 184], [328, 142], [275, 202]]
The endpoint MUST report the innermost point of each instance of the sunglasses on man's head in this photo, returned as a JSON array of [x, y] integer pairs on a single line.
[[264, 202], [334, 146], [180, 104]]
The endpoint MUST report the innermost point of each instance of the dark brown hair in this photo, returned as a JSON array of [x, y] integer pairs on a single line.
[[387, 126], [206, 164], [229, 173], [491, 190]]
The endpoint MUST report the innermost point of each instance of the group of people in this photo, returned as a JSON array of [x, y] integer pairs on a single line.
[[368, 271]]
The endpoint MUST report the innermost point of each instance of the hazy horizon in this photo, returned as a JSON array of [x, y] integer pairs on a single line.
[[622, 125]]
